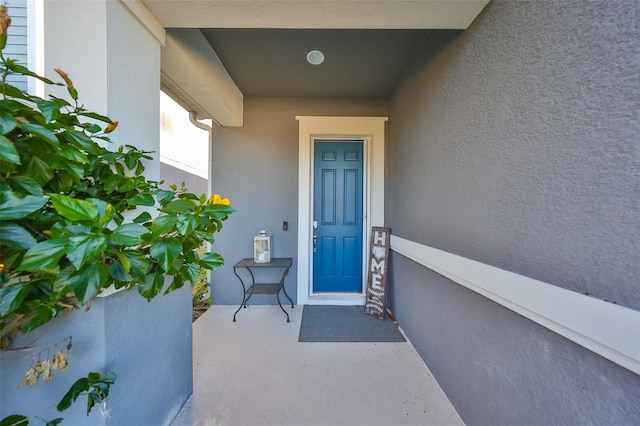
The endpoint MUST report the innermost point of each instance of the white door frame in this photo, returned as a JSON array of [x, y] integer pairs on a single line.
[[371, 130]]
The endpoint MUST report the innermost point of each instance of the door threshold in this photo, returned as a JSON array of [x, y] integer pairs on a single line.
[[356, 299]]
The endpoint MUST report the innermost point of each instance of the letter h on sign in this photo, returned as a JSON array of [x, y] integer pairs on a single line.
[[376, 303]]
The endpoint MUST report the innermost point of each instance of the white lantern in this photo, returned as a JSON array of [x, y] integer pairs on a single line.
[[262, 247]]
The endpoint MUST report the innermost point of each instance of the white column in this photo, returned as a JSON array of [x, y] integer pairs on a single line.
[[113, 59]]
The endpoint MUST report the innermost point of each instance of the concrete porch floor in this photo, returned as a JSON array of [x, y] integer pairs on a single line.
[[255, 372]]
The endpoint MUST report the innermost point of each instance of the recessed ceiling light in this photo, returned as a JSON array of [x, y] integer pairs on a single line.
[[315, 57]]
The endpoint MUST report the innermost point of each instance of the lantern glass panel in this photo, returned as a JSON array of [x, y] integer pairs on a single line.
[[262, 247]]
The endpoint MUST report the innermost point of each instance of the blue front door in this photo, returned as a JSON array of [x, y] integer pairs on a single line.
[[337, 210]]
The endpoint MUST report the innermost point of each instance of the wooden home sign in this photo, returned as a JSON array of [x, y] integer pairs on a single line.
[[376, 303]]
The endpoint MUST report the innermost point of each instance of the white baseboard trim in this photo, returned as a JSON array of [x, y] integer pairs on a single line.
[[607, 329]]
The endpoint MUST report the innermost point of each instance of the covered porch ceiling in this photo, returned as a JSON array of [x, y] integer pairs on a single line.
[[218, 51]]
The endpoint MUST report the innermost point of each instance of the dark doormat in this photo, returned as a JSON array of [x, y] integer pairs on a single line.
[[345, 324]]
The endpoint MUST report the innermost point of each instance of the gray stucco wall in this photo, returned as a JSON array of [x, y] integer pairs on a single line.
[[174, 176], [517, 146], [256, 166], [148, 345]]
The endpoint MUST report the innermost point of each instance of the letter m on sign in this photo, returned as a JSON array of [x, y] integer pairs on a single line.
[[376, 303]]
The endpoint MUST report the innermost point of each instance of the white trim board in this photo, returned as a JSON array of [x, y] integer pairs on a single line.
[[609, 330], [146, 19]]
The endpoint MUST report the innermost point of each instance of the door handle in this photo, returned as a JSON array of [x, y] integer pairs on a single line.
[[315, 240]]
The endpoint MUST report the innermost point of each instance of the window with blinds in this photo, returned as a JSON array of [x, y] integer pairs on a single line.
[[16, 46]]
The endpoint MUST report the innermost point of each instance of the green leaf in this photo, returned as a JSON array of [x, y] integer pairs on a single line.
[[13, 92], [61, 281], [120, 169], [187, 224], [8, 152], [50, 109], [141, 200], [84, 247], [38, 170], [219, 211], [62, 181], [11, 259], [80, 140], [11, 297], [44, 256], [54, 422], [13, 207], [178, 282], [80, 386], [206, 236], [72, 92], [41, 131], [44, 314], [139, 168], [211, 260], [74, 168], [91, 127], [7, 122], [24, 184], [88, 282], [117, 272], [139, 264], [15, 420], [96, 384], [163, 225], [124, 262], [15, 236], [74, 209], [128, 234], [142, 217], [163, 196], [73, 154], [20, 69], [131, 161], [151, 286], [179, 206], [105, 211], [96, 116], [190, 272], [165, 251]]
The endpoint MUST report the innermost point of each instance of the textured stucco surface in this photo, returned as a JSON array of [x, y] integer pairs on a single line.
[[174, 176], [499, 368], [148, 346], [517, 146], [87, 354], [256, 166]]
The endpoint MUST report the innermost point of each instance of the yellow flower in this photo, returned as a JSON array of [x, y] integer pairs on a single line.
[[1, 267], [64, 76], [217, 199], [111, 127], [5, 20]]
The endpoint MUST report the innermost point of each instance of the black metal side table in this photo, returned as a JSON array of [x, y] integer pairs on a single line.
[[283, 263]]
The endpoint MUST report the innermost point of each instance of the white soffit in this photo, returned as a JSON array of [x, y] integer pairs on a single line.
[[371, 14], [195, 77]]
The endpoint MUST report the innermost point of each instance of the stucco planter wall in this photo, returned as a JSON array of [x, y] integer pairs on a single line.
[[147, 344]]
